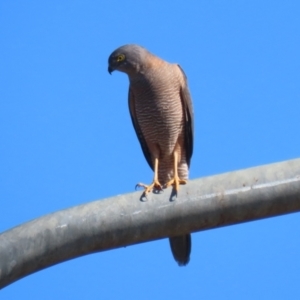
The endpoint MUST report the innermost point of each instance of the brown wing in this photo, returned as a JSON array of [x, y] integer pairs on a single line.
[[189, 118], [137, 128]]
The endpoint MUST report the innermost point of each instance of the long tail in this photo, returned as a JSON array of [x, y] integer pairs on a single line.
[[181, 248]]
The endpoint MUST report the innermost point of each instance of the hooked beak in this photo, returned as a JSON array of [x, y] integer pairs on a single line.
[[110, 69]]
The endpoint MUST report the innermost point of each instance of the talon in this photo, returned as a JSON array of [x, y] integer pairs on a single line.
[[155, 185], [176, 181], [138, 185]]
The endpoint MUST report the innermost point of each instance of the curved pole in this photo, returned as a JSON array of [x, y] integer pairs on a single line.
[[123, 220]]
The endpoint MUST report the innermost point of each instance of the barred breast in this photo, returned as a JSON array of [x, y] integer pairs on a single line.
[[160, 115]]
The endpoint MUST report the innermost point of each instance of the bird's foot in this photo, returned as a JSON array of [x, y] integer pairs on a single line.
[[154, 186], [176, 181]]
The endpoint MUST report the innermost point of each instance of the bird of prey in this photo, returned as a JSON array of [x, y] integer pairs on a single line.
[[162, 115]]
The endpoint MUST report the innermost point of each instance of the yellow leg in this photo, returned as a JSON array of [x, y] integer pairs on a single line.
[[176, 181], [155, 183]]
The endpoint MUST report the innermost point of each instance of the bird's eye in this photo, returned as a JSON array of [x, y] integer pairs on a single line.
[[120, 57]]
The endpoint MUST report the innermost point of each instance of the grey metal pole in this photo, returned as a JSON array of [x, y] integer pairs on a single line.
[[204, 203]]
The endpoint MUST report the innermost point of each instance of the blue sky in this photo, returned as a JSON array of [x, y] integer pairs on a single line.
[[67, 138]]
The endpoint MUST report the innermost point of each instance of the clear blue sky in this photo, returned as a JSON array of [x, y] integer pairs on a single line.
[[67, 138]]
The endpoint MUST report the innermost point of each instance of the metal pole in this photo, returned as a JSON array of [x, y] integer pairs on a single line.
[[123, 220]]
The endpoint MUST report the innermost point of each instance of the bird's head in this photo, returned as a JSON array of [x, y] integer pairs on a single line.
[[128, 59]]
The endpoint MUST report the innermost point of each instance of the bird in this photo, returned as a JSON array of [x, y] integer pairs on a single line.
[[162, 115]]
